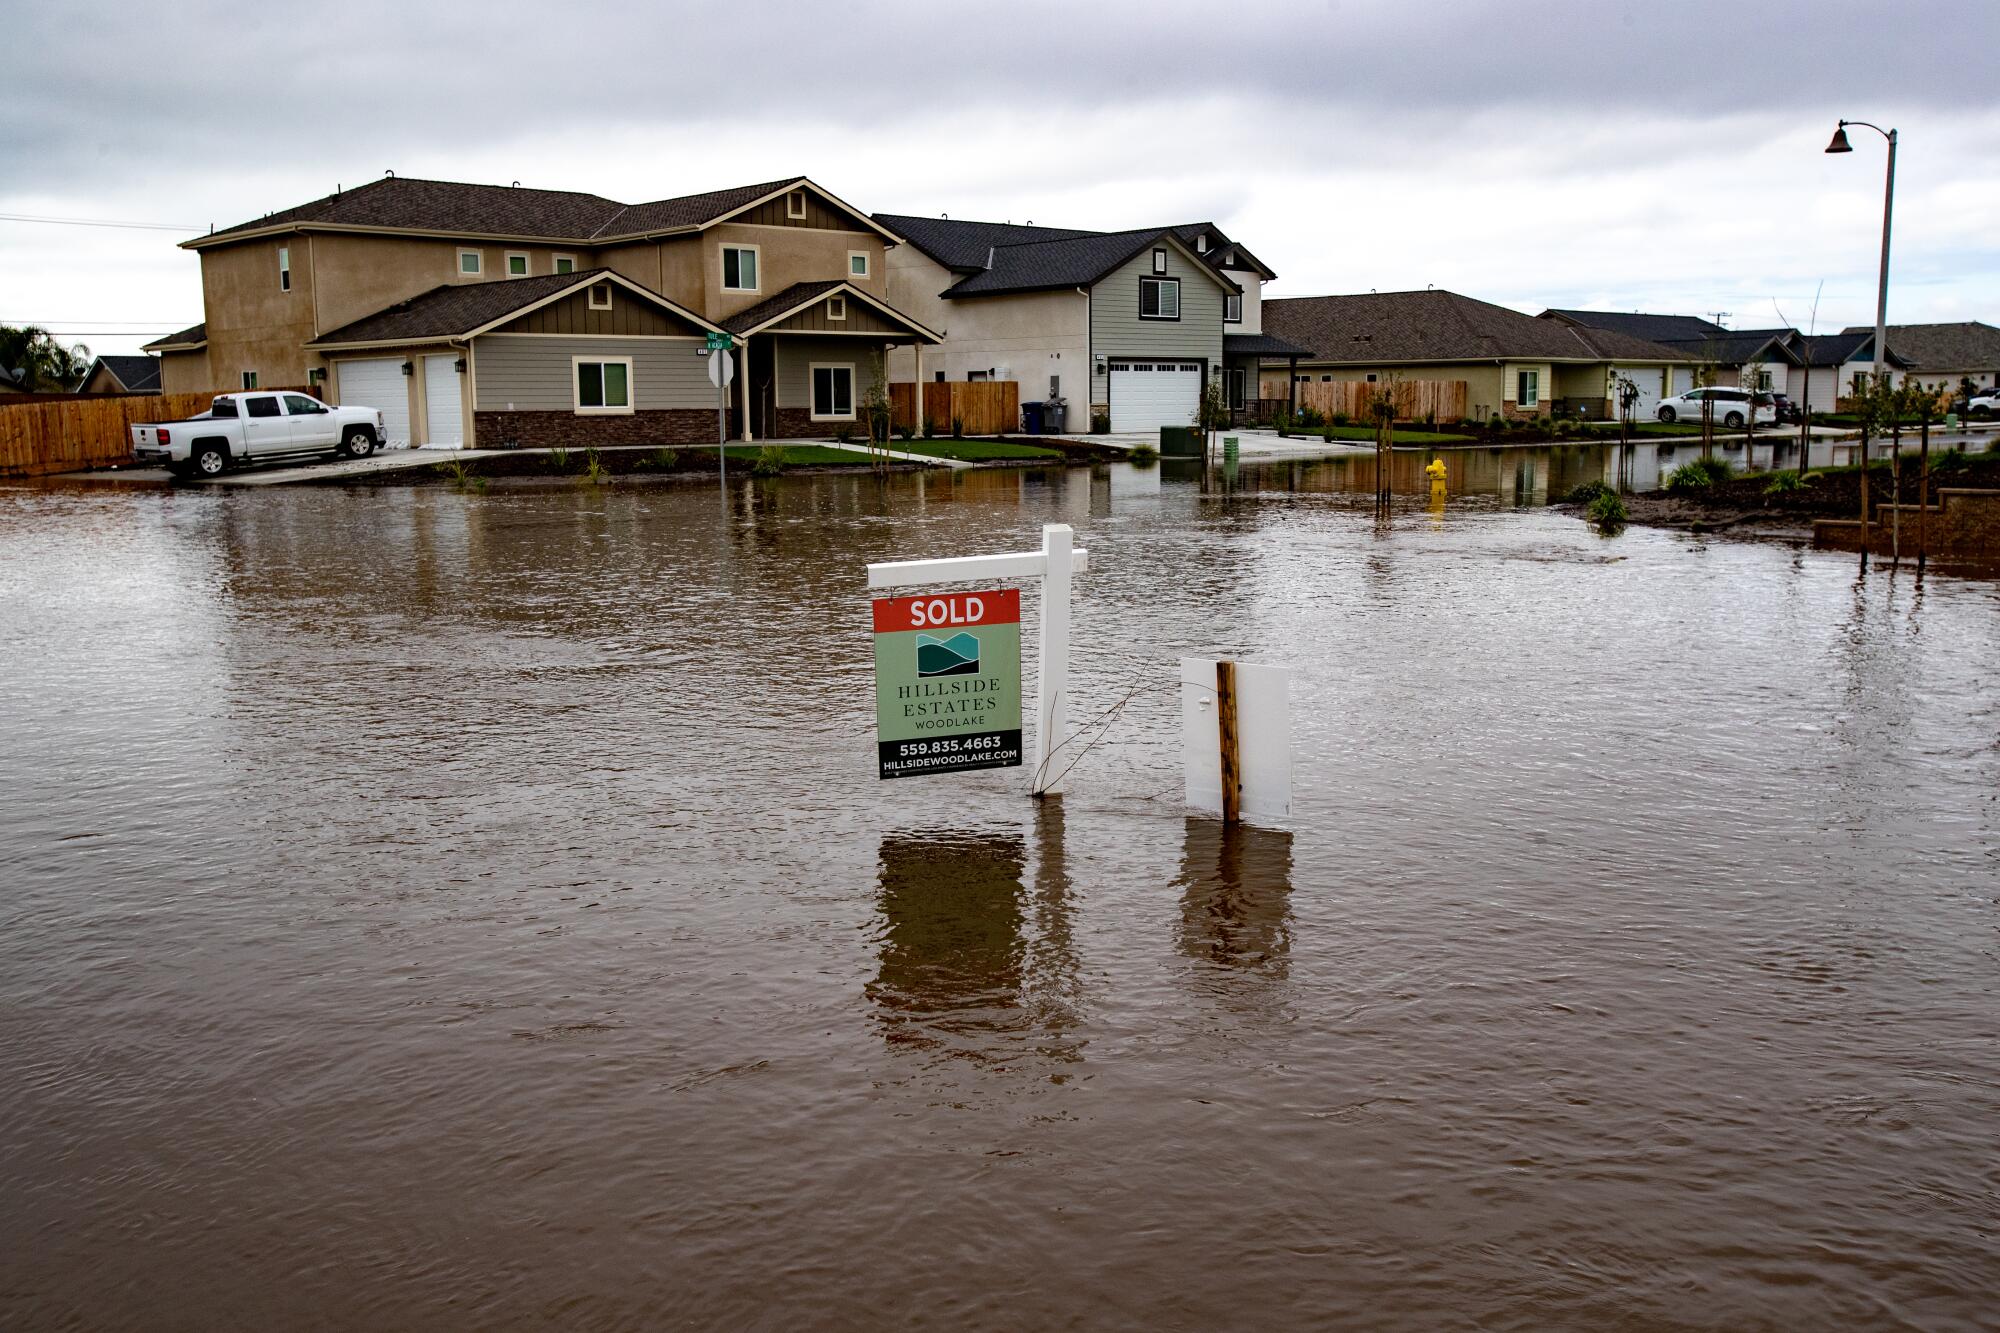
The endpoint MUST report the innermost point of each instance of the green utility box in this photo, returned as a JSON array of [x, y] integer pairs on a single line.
[[1180, 442]]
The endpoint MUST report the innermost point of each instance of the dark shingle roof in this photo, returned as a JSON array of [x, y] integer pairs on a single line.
[[1837, 349], [1733, 347], [137, 373], [963, 245], [1047, 265], [1438, 326], [1653, 328], [798, 294], [1222, 253], [1260, 344], [1970, 345], [194, 333], [460, 208], [453, 310]]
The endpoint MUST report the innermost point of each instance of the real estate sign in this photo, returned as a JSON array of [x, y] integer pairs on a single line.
[[947, 682]]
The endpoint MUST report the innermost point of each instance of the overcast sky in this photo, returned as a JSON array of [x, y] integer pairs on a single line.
[[1590, 153]]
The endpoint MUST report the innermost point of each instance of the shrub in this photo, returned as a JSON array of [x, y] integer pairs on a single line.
[[1310, 416], [1100, 423], [930, 429], [770, 461], [461, 474], [1496, 422], [1951, 460], [1589, 491], [1699, 474], [844, 433], [1283, 424], [1143, 455], [662, 460], [1326, 434], [558, 459], [904, 433], [957, 428], [1340, 418], [1607, 512], [1784, 483]]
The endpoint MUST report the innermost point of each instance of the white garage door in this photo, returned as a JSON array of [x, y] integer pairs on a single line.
[[1146, 395], [444, 414], [1649, 389], [379, 384]]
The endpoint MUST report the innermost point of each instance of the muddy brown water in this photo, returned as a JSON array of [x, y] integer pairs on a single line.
[[441, 910]]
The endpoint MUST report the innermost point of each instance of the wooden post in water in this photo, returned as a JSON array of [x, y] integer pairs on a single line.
[[1225, 727], [1924, 491]]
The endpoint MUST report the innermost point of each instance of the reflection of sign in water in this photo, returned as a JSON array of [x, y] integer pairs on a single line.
[[947, 683]]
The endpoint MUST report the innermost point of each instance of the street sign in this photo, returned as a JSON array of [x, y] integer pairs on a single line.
[[947, 683], [721, 368], [719, 342]]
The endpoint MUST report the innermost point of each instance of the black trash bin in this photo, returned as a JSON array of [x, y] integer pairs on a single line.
[[1031, 418]]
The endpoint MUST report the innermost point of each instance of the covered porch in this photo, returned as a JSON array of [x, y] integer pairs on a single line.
[[809, 357], [1243, 357]]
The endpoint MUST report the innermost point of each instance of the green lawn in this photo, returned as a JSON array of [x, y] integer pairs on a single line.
[[796, 455], [972, 451]]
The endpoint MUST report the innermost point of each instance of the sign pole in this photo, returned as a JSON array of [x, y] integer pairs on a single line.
[[1053, 668], [722, 423]]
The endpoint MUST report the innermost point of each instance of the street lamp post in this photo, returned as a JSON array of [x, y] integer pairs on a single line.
[[1840, 145]]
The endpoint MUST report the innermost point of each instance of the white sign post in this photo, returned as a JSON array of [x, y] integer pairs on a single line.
[[1054, 565], [721, 370]]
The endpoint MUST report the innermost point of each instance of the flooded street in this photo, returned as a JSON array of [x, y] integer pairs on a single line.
[[425, 909]]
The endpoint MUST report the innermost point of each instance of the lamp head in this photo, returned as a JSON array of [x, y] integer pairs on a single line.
[[1840, 144]]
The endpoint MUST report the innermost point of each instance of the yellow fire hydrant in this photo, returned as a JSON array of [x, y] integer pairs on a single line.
[[1435, 471]]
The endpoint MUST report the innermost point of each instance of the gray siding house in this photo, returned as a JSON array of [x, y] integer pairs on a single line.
[[1129, 324]]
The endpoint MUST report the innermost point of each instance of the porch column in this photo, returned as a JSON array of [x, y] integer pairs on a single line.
[[1292, 386], [917, 387], [743, 392]]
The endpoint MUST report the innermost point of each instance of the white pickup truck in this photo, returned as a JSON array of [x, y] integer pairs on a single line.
[[254, 427]]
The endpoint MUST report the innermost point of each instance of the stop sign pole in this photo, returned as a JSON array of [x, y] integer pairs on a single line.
[[721, 370]]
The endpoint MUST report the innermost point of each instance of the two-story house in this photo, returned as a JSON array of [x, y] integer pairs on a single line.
[[500, 314], [1132, 324]]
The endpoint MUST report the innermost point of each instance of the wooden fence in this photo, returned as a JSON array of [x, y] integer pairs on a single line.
[[981, 407], [1415, 400], [76, 432]]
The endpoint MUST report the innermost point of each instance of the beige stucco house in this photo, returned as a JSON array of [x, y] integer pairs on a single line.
[[379, 296]]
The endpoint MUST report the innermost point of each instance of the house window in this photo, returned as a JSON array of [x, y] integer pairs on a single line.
[[517, 265], [1201, 243], [1326, 379], [795, 204], [857, 263], [284, 268], [836, 307], [600, 296], [1159, 298], [249, 379], [1159, 261], [1528, 388], [603, 386], [1370, 379], [832, 393], [468, 263], [564, 264], [1237, 379], [739, 268], [1232, 308]]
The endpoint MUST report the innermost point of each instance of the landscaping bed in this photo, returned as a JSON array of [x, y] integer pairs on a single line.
[[976, 451], [1753, 502], [587, 465]]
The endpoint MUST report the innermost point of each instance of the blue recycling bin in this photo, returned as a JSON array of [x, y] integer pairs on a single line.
[[1031, 418]]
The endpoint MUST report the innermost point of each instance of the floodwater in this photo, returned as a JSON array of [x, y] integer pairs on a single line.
[[424, 909]]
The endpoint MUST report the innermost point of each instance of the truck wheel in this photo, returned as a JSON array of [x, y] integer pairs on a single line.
[[208, 460], [358, 444]]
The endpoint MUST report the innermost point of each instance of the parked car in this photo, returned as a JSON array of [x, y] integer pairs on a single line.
[[242, 428], [1732, 407], [1984, 404], [1783, 409]]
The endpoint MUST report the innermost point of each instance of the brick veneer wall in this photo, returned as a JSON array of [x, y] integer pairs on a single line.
[[542, 430], [796, 423]]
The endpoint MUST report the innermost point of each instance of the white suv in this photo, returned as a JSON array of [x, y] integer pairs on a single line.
[[1732, 407], [1984, 404]]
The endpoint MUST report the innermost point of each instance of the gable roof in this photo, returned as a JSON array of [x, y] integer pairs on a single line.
[[799, 295], [1968, 345], [189, 338], [140, 374], [1073, 262], [1434, 325], [463, 310], [463, 209], [1733, 347], [1222, 253], [1837, 349], [963, 246], [1653, 328]]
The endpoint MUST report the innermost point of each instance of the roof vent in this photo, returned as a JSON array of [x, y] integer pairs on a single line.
[[989, 256]]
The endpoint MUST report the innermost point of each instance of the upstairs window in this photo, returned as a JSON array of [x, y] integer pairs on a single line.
[[836, 307], [1159, 261], [739, 268], [1232, 308], [468, 263], [517, 265], [600, 296], [795, 204], [565, 264], [284, 268], [1159, 298], [857, 263]]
